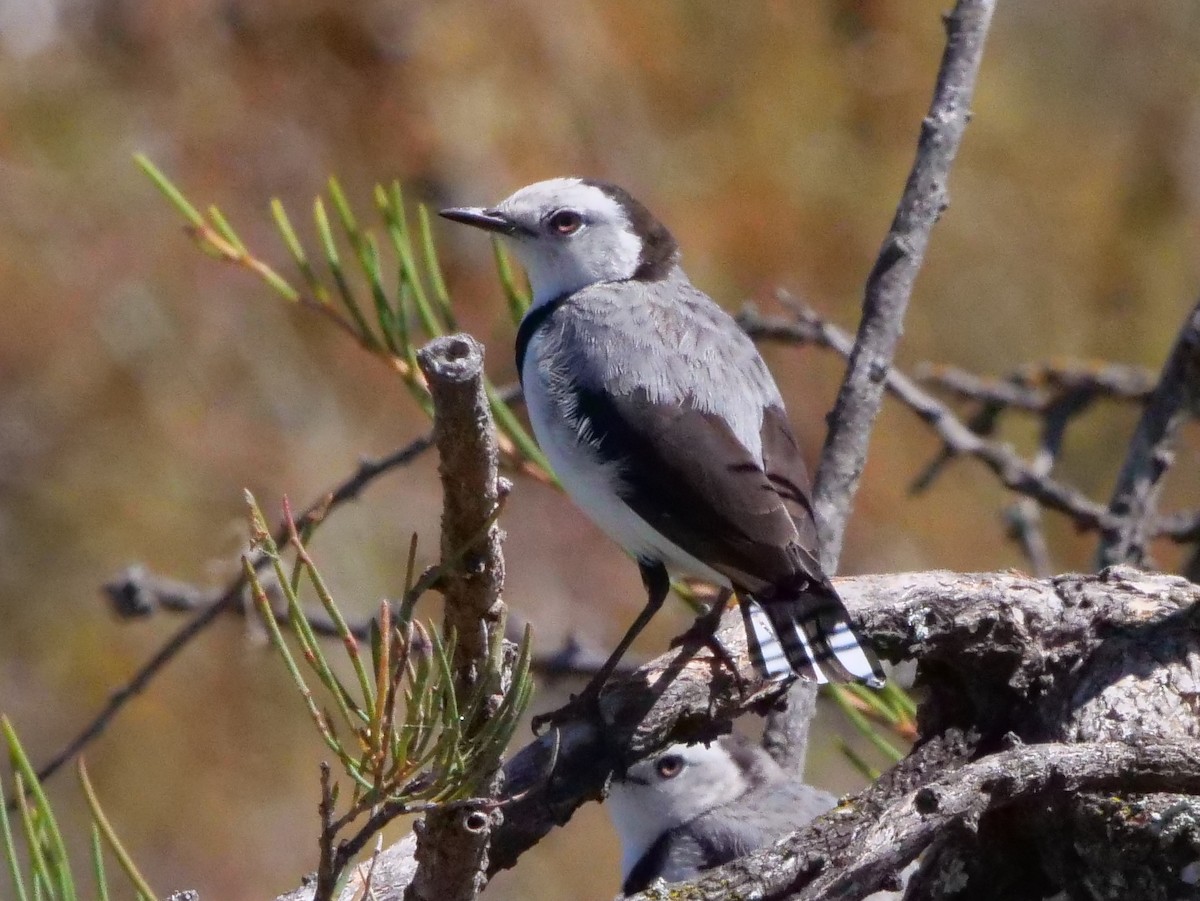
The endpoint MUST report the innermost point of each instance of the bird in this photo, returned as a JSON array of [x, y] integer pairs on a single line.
[[664, 425], [694, 806]]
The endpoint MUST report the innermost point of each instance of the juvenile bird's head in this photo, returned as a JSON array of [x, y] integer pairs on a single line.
[[672, 788], [570, 233]]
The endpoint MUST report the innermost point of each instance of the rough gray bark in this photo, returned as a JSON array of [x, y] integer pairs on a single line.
[[890, 283], [452, 845], [1039, 693], [1134, 503], [1023, 776], [1003, 658]]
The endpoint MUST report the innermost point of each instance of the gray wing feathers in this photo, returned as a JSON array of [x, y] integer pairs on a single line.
[[621, 347], [757, 819]]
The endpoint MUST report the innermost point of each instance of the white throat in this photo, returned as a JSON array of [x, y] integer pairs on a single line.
[[637, 826]]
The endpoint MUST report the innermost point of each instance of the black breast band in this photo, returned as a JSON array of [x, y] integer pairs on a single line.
[[533, 321]]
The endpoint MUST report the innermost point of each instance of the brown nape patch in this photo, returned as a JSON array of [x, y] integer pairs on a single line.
[[659, 250], [748, 755]]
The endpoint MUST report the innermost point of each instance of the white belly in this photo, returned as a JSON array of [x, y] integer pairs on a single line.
[[590, 482]]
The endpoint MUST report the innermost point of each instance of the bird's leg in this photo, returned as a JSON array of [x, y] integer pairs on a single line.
[[658, 585], [704, 631], [705, 626]]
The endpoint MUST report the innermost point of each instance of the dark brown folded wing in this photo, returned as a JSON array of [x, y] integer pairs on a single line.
[[685, 473]]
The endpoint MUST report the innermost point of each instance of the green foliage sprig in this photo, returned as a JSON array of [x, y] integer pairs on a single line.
[[388, 315], [47, 870], [867, 709], [400, 732]]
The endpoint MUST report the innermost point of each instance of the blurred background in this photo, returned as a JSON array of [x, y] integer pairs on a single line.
[[143, 385]]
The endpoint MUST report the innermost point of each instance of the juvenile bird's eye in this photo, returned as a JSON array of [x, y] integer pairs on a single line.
[[669, 766], [565, 222]]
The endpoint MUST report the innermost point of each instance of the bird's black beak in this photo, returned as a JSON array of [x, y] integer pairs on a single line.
[[488, 220]]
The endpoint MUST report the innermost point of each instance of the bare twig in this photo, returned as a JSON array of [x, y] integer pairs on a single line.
[[1056, 391], [890, 283], [1025, 516], [888, 289], [983, 423], [1036, 387], [1062, 389], [1182, 528], [1014, 472], [228, 599], [1003, 393], [137, 592], [1135, 499], [327, 869], [452, 845]]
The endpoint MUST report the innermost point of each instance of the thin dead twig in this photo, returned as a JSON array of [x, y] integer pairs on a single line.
[[138, 592], [228, 599], [1134, 504], [890, 283], [1036, 387], [1014, 472]]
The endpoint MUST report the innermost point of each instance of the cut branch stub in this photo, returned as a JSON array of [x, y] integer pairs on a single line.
[[465, 437], [452, 847]]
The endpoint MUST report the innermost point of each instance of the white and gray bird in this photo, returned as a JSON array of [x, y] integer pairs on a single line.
[[662, 422], [692, 807]]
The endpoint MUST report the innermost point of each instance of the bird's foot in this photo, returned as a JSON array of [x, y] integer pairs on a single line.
[[703, 633]]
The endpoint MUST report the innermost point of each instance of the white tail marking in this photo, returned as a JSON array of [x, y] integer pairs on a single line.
[[845, 646]]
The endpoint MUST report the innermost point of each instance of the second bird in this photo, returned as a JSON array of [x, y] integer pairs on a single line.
[[664, 425]]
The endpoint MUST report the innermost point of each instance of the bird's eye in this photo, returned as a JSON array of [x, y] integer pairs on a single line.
[[565, 222], [669, 766]]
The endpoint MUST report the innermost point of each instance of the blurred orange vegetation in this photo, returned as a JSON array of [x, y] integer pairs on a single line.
[[142, 386]]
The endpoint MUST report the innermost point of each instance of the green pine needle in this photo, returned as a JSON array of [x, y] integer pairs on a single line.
[[141, 886], [168, 190]]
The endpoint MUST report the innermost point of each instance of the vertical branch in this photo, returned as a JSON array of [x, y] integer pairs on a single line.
[[888, 290], [785, 736], [452, 845], [1025, 516], [890, 283], [1135, 499]]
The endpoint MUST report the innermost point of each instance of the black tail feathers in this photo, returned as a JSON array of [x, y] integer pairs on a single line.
[[808, 632]]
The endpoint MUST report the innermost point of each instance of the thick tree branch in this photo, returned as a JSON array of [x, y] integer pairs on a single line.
[[1107, 658], [1134, 501], [976, 629], [994, 648], [888, 842], [452, 845], [890, 283]]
